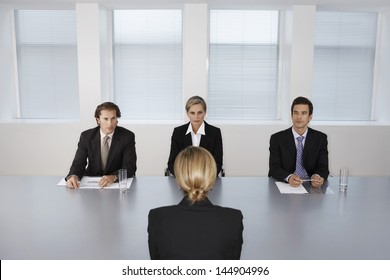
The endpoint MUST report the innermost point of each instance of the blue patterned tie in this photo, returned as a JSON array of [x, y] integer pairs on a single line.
[[299, 169]]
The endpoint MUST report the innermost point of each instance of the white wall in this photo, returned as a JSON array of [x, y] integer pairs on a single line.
[[41, 148], [48, 149]]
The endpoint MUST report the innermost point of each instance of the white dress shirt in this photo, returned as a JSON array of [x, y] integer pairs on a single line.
[[196, 137]]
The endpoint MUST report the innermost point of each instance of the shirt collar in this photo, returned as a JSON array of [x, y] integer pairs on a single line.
[[102, 135], [296, 135], [200, 130]]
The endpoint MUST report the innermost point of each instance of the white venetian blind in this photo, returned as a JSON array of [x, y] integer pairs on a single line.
[[344, 56], [47, 63], [148, 63], [243, 65]]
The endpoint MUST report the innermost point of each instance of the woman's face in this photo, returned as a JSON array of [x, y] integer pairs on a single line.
[[196, 114]]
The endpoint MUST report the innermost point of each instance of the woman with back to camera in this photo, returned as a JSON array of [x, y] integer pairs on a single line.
[[197, 132], [195, 228]]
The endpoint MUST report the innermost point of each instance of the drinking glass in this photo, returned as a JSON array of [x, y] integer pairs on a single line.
[[122, 178], [343, 183]]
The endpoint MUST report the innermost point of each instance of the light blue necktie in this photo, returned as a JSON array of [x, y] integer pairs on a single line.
[[299, 169]]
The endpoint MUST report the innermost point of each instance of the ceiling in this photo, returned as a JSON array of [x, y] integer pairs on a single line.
[[369, 4]]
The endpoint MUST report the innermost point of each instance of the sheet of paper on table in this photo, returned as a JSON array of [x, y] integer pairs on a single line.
[[286, 188], [88, 182]]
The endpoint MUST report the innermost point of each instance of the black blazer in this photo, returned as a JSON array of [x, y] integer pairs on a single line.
[[198, 231], [211, 141], [121, 155], [283, 153]]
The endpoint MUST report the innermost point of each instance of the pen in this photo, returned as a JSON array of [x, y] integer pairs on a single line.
[[307, 180]]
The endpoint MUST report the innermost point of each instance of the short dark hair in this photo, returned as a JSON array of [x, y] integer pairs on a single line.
[[107, 106], [302, 100]]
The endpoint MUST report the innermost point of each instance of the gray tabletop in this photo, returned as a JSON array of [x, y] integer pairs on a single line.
[[40, 220]]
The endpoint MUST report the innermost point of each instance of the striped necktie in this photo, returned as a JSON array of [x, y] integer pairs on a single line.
[[299, 169]]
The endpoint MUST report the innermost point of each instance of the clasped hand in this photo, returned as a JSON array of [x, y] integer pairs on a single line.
[[316, 180]]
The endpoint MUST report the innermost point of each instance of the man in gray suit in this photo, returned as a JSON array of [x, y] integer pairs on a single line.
[[299, 152], [103, 150]]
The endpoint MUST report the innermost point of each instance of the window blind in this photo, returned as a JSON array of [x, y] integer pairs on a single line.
[[47, 64], [344, 57], [243, 65], [148, 63]]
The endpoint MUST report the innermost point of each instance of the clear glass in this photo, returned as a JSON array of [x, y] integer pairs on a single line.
[[122, 178], [343, 183]]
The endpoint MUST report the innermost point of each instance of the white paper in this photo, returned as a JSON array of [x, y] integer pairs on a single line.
[[88, 182], [286, 188]]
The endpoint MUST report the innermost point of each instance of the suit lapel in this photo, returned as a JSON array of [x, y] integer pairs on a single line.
[[290, 143], [308, 144], [113, 148], [188, 140], [204, 139], [187, 137], [96, 149]]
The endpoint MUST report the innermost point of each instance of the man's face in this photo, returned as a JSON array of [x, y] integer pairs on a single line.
[[300, 117], [107, 121]]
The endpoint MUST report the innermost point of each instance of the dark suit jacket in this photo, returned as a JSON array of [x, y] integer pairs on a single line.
[[283, 153], [198, 231], [121, 155], [211, 141]]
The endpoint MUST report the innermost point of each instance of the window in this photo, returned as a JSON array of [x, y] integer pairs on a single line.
[[47, 64], [148, 63], [344, 56], [243, 67]]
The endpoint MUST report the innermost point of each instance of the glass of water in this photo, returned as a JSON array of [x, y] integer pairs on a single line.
[[343, 183], [122, 178]]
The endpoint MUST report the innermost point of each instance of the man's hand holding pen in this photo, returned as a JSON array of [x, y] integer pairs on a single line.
[[316, 180]]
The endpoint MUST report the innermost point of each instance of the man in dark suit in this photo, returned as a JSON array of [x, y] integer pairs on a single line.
[[285, 164], [196, 133], [103, 150]]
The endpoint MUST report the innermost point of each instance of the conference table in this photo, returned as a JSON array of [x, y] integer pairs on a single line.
[[40, 220]]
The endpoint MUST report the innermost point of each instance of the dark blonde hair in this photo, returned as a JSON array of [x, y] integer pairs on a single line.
[[195, 172], [196, 100]]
